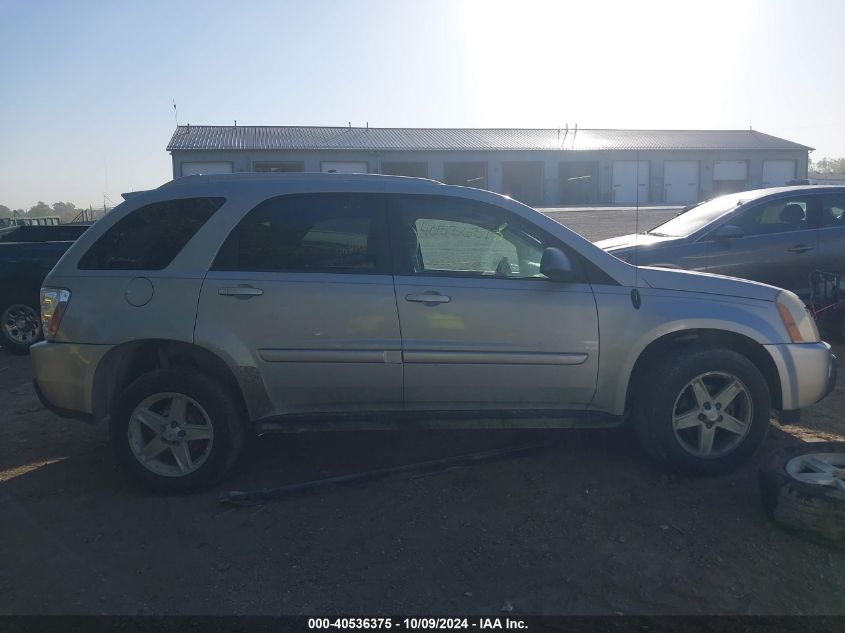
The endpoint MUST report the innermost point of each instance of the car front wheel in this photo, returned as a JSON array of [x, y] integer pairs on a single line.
[[703, 410], [177, 430]]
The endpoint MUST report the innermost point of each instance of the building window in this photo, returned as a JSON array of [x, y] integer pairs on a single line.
[[279, 166]]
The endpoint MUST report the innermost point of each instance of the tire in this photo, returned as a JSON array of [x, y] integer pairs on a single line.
[[20, 326], [668, 418], [143, 419], [815, 510]]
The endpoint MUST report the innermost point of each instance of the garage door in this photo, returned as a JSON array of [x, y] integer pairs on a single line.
[[729, 176], [777, 173], [523, 181], [466, 174], [412, 169], [730, 170], [680, 181], [343, 167], [630, 181], [199, 168]]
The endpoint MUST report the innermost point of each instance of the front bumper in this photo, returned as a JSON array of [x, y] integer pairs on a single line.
[[807, 372], [64, 376]]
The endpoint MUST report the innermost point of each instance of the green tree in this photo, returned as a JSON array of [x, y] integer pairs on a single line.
[[40, 210], [5, 212], [65, 210], [827, 165]]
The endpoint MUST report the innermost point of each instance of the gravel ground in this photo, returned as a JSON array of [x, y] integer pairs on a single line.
[[584, 526]]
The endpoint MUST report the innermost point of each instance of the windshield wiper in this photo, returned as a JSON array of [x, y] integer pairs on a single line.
[[656, 234]]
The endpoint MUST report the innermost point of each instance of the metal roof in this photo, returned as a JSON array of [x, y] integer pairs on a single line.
[[254, 137]]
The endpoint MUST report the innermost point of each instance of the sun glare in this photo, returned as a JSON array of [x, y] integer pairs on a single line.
[[547, 63]]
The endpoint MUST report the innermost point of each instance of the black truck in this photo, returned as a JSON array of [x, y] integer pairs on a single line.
[[27, 254]]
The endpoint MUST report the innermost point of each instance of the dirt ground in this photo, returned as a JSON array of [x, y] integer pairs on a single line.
[[585, 526]]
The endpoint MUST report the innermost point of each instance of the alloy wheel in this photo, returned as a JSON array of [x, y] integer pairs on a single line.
[[21, 324], [821, 469], [170, 434], [712, 415]]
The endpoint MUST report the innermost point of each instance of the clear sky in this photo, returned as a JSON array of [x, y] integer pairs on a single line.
[[87, 87]]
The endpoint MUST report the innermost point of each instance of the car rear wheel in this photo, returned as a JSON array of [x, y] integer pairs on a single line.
[[703, 410], [20, 327], [177, 430]]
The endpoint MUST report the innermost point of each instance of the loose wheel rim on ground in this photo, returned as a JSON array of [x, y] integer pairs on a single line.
[[170, 434], [21, 324], [712, 415], [820, 469]]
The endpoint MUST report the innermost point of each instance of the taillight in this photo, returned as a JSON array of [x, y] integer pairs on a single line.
[[53, 305]]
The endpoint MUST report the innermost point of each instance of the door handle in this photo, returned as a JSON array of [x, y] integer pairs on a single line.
[[428, 297], [800, 248], [240, 291]]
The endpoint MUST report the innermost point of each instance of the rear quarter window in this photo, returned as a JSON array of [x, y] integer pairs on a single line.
[[150, 237]]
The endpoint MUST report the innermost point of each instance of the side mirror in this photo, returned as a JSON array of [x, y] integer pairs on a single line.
[[555, 265], [727, 232]]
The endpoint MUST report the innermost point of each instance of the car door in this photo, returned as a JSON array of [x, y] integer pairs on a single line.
[[302, 291], [832, 233], [481, 327], [779, 243]]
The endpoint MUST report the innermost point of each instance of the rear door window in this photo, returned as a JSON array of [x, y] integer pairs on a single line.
[[318, 233], [150, 237]]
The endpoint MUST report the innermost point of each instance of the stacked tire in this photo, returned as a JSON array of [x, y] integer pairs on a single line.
[[803, 489]]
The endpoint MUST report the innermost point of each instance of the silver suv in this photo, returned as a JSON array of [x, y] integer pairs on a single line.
[[214, 306]]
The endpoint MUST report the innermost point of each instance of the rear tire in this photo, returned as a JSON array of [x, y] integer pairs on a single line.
[[177, 430], [702, 411], [20, 326]]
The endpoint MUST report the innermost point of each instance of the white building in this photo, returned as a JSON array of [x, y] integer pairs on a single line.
[[543, 167]]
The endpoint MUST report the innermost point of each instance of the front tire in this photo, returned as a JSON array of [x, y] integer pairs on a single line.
[[703, 411], [177, 430]]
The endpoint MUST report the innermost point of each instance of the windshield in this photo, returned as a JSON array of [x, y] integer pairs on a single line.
[[697, 217]]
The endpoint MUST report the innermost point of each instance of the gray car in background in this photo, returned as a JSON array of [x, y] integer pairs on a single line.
[[215, 305], [775, 236]]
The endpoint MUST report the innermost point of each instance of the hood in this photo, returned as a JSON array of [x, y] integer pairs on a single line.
[[634, 239], [688, 281]]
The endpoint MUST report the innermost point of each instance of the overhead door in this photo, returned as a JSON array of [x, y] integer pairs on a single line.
[[680, 181], [523, 181], [578, 182], [466, 174], [729, 176], [200, 168], [279, 166], [630, 181], [402, 168], [777, 173], [343, 167]]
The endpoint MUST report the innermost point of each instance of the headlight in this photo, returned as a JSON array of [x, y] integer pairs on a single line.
[[796, 318], [53, 305]]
